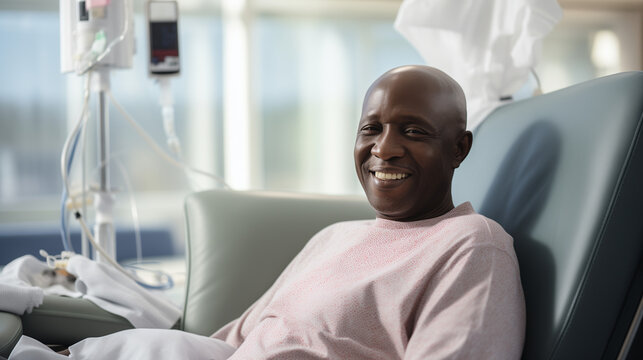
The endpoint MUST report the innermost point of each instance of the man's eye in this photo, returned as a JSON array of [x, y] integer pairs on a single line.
[[369, 128], [415, 131]]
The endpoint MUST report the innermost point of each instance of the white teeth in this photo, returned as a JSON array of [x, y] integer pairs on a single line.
[[389, 176]]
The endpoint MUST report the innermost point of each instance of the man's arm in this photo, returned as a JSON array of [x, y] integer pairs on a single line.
[[473, 309], [235, 332]]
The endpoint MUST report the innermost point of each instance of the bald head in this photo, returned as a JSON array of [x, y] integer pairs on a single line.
[[440, 90]]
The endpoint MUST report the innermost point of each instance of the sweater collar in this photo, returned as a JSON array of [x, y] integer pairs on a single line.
[[463, 209]]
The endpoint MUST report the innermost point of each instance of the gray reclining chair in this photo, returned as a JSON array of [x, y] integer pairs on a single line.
[[562, 172]]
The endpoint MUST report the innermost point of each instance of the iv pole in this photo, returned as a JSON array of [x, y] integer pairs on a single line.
[[102, 33], [104, 199]]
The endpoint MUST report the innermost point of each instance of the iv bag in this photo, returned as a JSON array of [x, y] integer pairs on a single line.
[[488, 46]]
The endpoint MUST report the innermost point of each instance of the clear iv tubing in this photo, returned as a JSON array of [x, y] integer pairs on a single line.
[[167, 285], [133, 208], [109, 47], [68, 160], [167, 111], [65, 232], [169, 282], [65, 164], [84, 243], [159, 150], [68, 246], [137, 227], [63, 207], [65, 159]]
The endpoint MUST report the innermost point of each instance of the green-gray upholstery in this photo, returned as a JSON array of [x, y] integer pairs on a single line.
[[59, 321], [563, 173], [239, 242], [64, 321], [10, 332]]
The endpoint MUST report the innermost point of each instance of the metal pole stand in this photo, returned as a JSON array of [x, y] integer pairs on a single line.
[[104, 198]]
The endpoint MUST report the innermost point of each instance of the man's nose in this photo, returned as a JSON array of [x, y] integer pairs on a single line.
[[388, 145]]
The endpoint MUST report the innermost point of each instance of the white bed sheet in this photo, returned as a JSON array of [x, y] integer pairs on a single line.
[[140, 344]]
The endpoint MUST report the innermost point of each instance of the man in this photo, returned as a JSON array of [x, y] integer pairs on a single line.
[[425, 279]]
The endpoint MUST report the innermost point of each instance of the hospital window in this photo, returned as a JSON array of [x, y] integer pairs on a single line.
[[309, 64], [311, 87]]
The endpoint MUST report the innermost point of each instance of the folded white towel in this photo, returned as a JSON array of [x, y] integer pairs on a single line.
[[17, 291], [113, 291], [19, 299]]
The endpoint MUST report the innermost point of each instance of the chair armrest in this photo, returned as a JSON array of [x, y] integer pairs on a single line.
[[10, 332], [64, 321]]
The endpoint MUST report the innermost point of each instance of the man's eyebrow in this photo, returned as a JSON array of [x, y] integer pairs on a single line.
[[372, 116], [415, 118]]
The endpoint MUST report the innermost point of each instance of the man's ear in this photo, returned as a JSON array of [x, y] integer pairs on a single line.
[[462, 147]]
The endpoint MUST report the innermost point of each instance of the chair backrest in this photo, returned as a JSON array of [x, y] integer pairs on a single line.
[[563, 174], [239, 243]]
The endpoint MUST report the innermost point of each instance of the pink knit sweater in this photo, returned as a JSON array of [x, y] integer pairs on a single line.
[[441, 288]]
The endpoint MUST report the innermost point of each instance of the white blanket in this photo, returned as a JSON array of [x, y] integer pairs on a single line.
[[113, 291], [140, 344], [22, 287]]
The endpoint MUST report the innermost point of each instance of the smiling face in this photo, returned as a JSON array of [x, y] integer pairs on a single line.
[[410, 138]]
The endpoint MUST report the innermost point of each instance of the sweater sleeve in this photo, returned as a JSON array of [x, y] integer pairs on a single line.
[[473, 309], [235, 332]]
